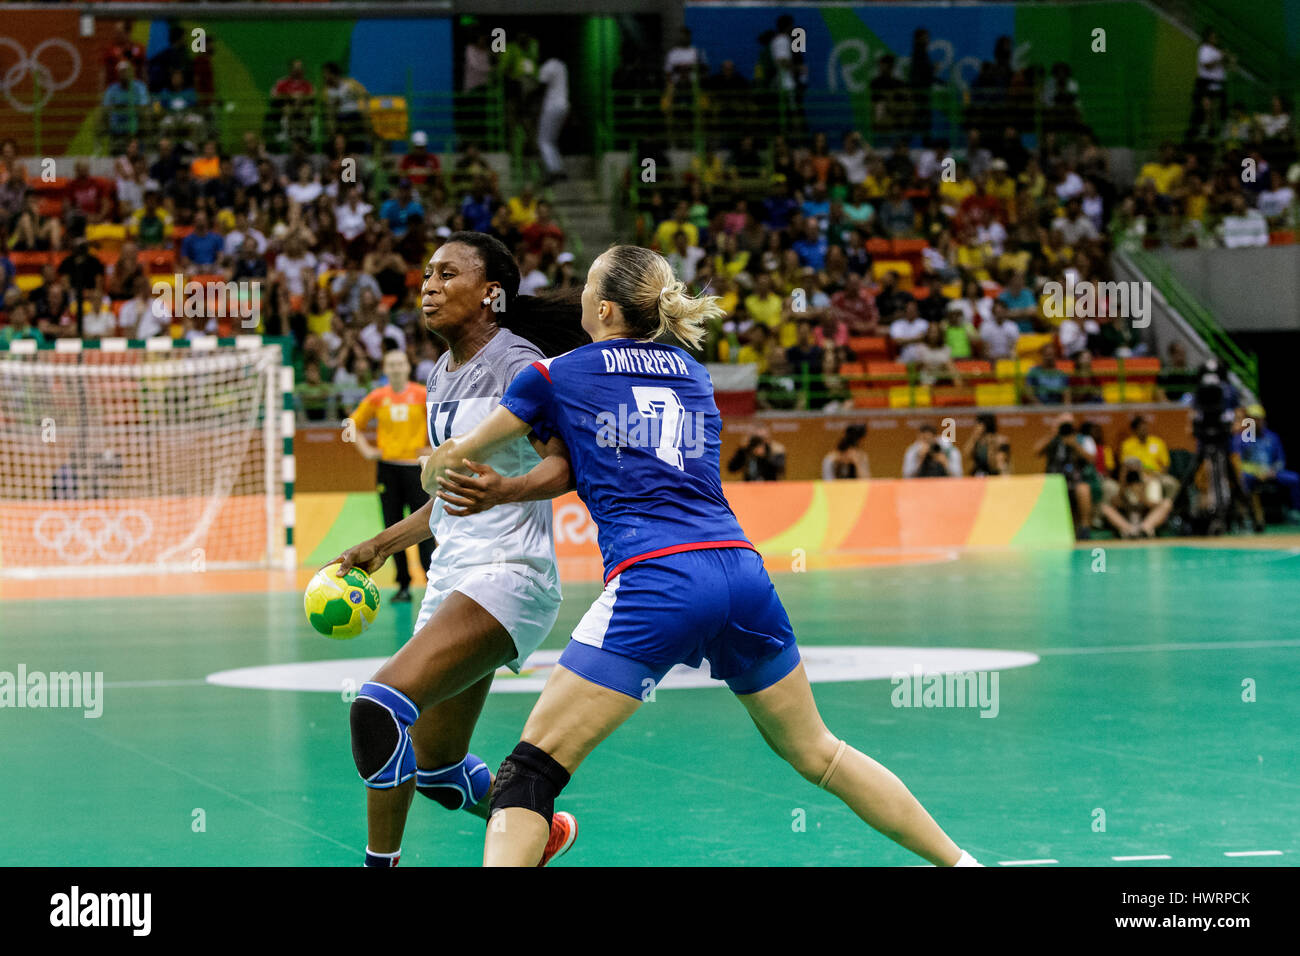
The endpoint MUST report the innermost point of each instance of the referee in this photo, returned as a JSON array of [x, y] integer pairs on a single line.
[[399, 409]]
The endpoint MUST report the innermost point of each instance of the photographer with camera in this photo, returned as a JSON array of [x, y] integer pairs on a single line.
[[1068, 458], [931, 456], [1138, 507], [760, 458], [847, 459], [989, 452], [1222, 501]]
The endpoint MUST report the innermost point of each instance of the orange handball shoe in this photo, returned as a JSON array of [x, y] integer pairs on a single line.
[[564, 833]]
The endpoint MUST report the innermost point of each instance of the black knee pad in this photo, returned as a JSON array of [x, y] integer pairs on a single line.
[[528, 778]]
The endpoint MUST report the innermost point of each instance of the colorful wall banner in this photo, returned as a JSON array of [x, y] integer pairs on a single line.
[[825, 524], [1135, 93]]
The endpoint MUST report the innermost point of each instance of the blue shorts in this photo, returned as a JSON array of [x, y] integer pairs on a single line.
[[716, 604]]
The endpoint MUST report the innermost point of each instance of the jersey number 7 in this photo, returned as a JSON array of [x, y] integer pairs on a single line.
[[655, 401]]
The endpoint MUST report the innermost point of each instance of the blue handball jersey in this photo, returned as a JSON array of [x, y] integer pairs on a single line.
[[642, 430]]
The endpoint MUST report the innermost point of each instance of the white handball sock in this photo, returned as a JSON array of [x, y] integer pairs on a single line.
[[967, 860]]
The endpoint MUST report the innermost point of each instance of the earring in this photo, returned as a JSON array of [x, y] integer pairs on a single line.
[[487, 300]]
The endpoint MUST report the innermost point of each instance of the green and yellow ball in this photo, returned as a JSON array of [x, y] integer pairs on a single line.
[[341, 607]]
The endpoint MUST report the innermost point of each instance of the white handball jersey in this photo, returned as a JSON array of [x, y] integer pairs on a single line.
[[519, 533]]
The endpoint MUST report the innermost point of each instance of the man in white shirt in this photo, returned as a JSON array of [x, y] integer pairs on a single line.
[[235, 238], [350, 216], [907, 333], [685, 258], [683, 59], [853, 157], [1275, 201], [373, 336], [531, 278], [1074, 225], [931, 456], [1244, 226], [999, 334], [295, 265], [144, 317], [553, 75]]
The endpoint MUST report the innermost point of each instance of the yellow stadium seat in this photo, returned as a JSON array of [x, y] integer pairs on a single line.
[[1006, 368], [905, 396], [105, 230], [1133, 392], [1030, 344], [1001, 393], [27, 283], [388, 116], [882, 267]]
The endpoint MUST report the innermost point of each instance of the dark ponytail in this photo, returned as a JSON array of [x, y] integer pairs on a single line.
[[552, 320]]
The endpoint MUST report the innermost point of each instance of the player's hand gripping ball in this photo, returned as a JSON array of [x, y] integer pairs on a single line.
[[341, 607]]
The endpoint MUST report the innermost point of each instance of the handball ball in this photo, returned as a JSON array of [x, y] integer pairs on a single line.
[[341, 607]]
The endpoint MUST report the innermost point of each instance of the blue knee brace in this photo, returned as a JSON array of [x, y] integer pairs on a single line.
[[457, 786], [381, 742]]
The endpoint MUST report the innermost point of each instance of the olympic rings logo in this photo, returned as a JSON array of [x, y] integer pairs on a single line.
[[32, 66], [78, 538]]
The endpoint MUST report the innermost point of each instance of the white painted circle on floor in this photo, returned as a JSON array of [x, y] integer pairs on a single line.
[[823, 664]]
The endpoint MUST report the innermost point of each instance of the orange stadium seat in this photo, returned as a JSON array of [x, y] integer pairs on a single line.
[[879, 247], [1106, 367], [25, 262], [869, 347], [887, 373], [158, 260], [975, 370], [953, 395], [872, 399]]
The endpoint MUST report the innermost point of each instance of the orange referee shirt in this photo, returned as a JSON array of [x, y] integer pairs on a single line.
[[402, 428]]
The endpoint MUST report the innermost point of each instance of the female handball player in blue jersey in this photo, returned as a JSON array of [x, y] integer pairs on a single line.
[[682, 583], [493, 592]]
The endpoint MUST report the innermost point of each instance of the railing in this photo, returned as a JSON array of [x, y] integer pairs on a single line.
[[693, 118], [805, 390], [81, 125], [1185, 302]]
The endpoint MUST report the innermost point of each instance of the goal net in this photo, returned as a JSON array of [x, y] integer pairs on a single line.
[[125, 459]]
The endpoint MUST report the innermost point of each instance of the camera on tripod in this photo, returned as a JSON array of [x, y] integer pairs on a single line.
[[1212, 408]]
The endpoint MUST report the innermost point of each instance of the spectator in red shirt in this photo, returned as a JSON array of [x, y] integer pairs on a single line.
[[541, 229], [123, 48], [856, 307], [91, 196], [420, 165], [293, 96]]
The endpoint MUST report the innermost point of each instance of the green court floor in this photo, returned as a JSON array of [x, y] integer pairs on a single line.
[[1133, 718]]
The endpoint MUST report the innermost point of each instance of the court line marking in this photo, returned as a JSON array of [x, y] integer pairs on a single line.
[[180, 682], [221, 790], [1130, 859], [1255, 853], [1156, 648], [1025, 862]]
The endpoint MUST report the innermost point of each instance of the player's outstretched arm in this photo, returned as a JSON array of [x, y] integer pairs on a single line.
[[467, 494], [500, 427], [371, 554]]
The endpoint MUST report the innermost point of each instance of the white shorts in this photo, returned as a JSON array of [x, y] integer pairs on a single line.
[[524, 601]]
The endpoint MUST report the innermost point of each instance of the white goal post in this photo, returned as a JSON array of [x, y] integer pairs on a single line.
[[134, 457]]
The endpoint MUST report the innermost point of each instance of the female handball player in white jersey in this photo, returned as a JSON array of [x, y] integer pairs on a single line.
[[493, 590], [682, 583]]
